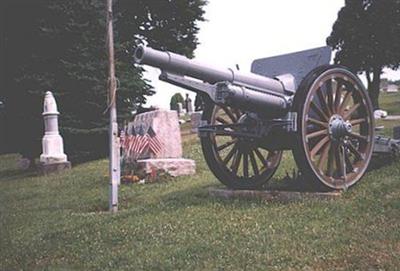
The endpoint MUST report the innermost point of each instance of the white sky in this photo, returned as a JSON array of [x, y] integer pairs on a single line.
[[237, 32]]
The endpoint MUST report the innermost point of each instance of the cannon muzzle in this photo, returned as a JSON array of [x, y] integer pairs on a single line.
[[181, 65]]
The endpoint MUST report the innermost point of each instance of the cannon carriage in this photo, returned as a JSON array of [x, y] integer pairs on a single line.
[[292, 102]]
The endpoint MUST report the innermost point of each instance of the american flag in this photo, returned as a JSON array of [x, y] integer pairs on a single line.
[[139, 143], [134, 144], [155, 144]]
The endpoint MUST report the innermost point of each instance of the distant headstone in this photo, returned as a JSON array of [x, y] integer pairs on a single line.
[[162, 127], [180, 109], [53, 158], [190, 107], [195, 119], [188, 104], [23, 163]]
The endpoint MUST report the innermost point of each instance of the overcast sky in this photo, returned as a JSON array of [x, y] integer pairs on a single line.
[[237, 32]]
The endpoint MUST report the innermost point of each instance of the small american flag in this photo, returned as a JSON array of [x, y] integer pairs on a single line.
[[138, 144], [155, 144]]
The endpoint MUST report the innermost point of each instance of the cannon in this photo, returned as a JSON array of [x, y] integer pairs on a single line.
[[295, 102]]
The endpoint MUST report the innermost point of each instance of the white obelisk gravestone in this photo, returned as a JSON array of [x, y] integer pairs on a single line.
[[53, 158]]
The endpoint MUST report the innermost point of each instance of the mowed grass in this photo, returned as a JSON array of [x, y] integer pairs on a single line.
[[60, 222], [390, 102]]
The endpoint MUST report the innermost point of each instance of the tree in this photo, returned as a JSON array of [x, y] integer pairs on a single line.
[[59, 46], [175, 99], [366, 36]]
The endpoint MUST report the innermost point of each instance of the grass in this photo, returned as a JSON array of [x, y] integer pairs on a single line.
[[60, 222], [390, 102]]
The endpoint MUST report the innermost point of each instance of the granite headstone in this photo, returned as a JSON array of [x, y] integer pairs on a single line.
[[165, 125]]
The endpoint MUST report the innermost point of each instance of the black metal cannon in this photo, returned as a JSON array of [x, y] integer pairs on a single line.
[[292, 102]]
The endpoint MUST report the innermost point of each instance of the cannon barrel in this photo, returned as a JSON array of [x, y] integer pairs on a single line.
[[181, 65]]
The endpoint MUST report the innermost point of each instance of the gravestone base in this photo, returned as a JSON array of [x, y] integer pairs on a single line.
[[46, 169], [271, 195], [173, 166]]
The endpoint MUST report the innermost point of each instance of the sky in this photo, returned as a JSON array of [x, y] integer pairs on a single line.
[[237, 32]]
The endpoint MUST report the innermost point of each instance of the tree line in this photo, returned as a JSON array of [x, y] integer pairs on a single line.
[[59, 46]]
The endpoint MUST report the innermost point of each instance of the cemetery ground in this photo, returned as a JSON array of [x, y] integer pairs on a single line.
[[61, 222]]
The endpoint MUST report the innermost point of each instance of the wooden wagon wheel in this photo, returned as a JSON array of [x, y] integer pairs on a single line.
[[335, 128], [239, 163]]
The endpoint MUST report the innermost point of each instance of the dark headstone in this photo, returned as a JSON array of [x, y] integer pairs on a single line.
[[396, 132]]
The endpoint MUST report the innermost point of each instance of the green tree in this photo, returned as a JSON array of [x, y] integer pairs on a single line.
[[59, 46], [175, 99], [366, 36]]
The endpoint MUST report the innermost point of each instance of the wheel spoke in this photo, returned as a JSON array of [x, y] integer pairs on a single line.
[[236, 161], [318, 146], [254, 163], [357, 121], [342, 106], [225, 145], [229, 113], [245, 165], [331, 159], [260, 156], [237, 112], [221, 120], [338, 160], [338, 96], [358, 136], [351, 111], [349, 164], [317, 133], [354, 151], [230, 155], [329, 94], [324, 106], [319, 112], [317, 122], [324, 156]]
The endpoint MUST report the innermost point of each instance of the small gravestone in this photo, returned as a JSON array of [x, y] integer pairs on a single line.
[[165, 151], [195, 119], [188, 104], [23, 163], [53, 158], [180, 110]]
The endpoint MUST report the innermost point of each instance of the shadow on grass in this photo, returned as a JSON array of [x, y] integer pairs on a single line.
[[200, 195], [15, 174], [378, 162]]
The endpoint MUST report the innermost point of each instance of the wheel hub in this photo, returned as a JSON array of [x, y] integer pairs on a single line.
[[338, 127]]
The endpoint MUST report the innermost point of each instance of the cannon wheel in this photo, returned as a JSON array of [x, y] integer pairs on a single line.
[[237, 162], [335, 128]]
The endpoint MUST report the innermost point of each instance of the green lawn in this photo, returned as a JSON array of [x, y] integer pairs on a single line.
[[60, 223], [390, 102]]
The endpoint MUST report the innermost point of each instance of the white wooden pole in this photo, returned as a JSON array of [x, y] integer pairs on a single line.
[[113, 128]]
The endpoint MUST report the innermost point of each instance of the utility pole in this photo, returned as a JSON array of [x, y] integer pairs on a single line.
[[113, 128]]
